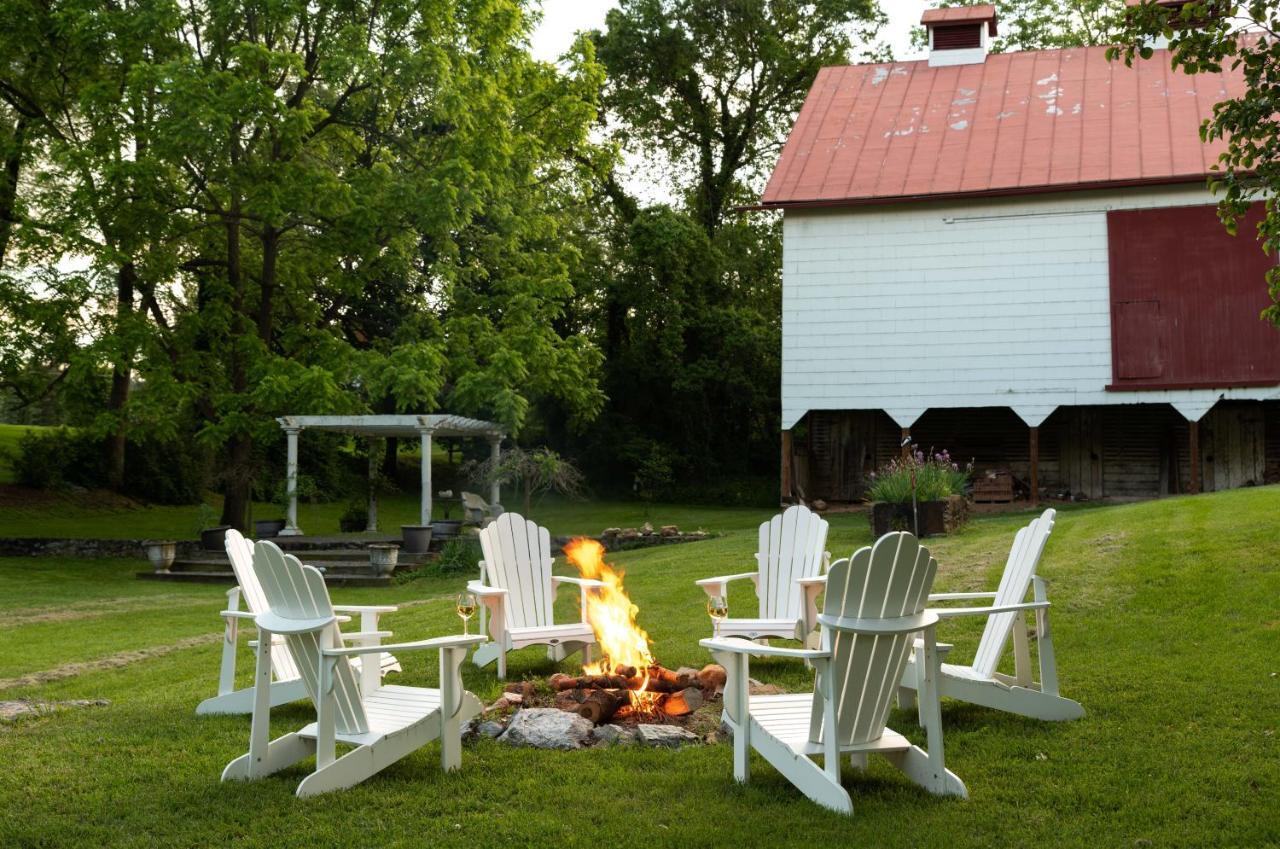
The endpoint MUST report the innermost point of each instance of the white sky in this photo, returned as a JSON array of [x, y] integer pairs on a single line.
[[562, 18]]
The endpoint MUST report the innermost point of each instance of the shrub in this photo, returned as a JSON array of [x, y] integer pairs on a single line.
[[937, 476], [159, 471], [460, 554]]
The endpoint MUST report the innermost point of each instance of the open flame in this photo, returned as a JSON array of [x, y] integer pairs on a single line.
[[612, 616]]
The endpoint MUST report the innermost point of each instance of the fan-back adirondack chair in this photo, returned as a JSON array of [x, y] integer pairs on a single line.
[[981, 683], [517, 591], [475, 509], [789, 564], [874, 609], [383, 724], [286, 685]]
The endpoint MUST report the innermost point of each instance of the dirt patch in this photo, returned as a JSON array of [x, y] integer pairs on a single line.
[[115, 661], [90, 609], [11, 711]]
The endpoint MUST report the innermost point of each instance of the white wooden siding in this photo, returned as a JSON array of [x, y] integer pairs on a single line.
[[989, 303]]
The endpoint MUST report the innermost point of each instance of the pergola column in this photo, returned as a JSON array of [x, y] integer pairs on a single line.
[[291, 482], [371, 521], [424, 516], [495, 452]]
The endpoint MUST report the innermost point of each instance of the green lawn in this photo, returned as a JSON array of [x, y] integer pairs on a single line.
[[89, 515], [1166, 625]]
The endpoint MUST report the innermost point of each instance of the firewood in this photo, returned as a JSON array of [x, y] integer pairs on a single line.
[[591, 682], [667, 676], [682, 703], [601, 705], [625, 671]]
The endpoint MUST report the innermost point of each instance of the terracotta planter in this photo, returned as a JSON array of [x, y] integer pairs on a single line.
[[267, 528], [382, 558], [417, 538], [446, 528], [213, 539], [161, 553]]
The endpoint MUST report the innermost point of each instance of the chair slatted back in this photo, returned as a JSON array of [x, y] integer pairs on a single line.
[[1024, 557], [240, 552], [792, 545], [295, 591], [886, 581], [517, 554]]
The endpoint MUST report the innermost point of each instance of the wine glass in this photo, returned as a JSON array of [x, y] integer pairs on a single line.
[[466, 605], [717, 609]]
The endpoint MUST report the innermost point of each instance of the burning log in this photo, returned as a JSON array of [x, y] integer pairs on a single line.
[[600, 705], [560, 681], [682, 703]]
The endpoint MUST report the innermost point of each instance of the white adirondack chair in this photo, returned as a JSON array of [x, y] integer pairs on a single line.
[[517, 591], [981, 683], [874, 607], [286, 685], [790, 560], [383, 724]]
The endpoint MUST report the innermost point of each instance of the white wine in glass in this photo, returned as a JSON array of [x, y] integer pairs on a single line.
[[466, 607], [718, 610]]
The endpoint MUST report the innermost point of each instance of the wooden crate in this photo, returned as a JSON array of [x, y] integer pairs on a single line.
[[993, 487]]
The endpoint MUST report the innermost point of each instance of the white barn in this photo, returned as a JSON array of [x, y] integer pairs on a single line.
[[1014, 257]]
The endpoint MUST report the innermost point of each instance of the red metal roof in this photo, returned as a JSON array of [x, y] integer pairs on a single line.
[[1041, 120], [984, 12]]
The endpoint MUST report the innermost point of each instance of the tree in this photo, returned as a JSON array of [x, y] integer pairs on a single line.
[[713, 85], [304, 166], [1046, 24], [1207, 36], [538, 471]]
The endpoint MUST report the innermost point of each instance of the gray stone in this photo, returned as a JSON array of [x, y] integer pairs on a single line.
[[614, 735], [665, 736], [11, 710], [490, 729], [547, 728]]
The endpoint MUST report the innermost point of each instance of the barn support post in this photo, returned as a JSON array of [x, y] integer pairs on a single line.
[[1033, 452], [788, 482], [1193, 428]]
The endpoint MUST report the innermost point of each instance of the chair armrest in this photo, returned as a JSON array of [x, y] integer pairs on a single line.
[[436, 643], [724, 579], [237, 614], [356, 635], [815, 581], [481, 590], [959, 596], [897, 625], [951, 612], [275, 624], [585, 583], [365, 608], [740, 646]]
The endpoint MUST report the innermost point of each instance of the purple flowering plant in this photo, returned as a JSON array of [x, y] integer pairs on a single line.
[[936, 475]]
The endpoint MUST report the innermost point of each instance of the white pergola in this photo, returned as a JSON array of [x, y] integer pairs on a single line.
[[404, 426]]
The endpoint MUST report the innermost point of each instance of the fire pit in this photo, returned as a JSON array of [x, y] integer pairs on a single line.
[[626, 683]]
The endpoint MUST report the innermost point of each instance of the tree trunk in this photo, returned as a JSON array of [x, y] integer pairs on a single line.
[[239, 484], [121, 376], [9, 185], [239, 477]]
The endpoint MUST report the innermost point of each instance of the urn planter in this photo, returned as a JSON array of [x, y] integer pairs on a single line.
[[382, 558], [161, 553]]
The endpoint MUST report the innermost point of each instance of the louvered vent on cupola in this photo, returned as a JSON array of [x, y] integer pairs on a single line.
[[959, 35]]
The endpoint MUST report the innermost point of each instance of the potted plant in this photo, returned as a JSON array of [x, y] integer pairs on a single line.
[[382, 558], [161, 553], [916, 493], [446, 528], [211, 535]]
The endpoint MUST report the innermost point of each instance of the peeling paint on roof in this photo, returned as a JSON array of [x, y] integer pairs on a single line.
[[856, 136]]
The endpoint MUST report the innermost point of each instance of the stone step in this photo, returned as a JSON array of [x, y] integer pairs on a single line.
[[333, 579]]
